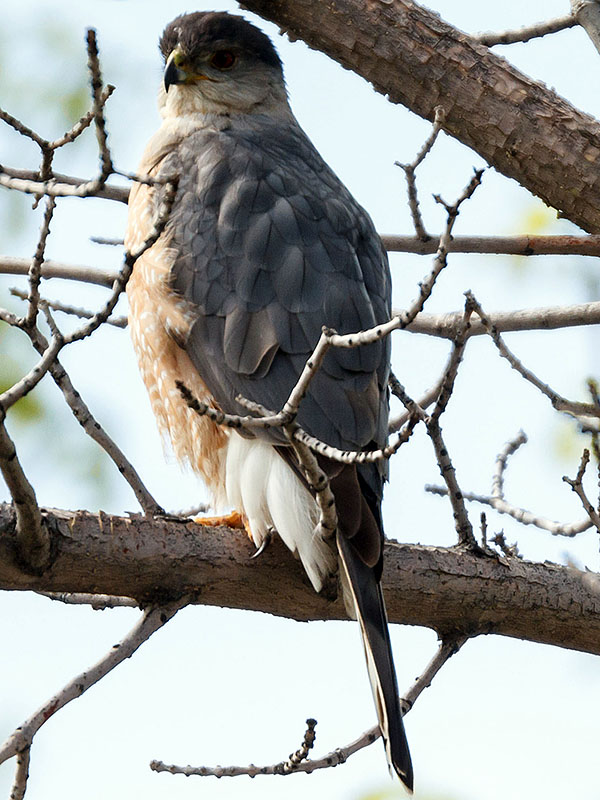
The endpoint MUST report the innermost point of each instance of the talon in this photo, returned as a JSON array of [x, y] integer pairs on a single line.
[[265, 543]]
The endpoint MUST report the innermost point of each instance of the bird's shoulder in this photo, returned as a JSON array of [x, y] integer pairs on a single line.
[[270, 246], [260, 189]]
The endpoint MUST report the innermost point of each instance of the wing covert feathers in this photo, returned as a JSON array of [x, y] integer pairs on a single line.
[[362, 592]]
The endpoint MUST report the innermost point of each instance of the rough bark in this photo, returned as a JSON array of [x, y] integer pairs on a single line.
[[517, 125], [449, 590]]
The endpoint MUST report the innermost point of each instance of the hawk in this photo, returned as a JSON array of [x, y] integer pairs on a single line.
[[263, 246]]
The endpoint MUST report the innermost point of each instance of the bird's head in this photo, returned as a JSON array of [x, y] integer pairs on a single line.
[[219, 63]]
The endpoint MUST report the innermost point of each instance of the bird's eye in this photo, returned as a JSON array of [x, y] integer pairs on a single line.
[[222, 59]]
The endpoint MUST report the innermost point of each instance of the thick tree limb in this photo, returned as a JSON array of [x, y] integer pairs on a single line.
[[517, 125], [449, 590]]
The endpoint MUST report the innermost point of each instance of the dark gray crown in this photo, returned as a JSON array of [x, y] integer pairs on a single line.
[[203, 31]]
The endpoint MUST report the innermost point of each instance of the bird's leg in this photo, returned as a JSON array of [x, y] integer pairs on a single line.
[[236, 520], [232, 520]]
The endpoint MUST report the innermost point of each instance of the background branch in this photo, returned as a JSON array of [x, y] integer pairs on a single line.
[[528, 32], [340, 755], [520, 245]]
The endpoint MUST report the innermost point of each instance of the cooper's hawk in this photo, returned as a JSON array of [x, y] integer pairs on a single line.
[[263, 247]]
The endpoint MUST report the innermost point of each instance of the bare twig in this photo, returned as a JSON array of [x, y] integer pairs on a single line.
[[152, 620], [430, 396], [30, 182], [357, 456], [10, 265], [448, 647], [54, 188], [21, 774], [409, 172], [558, 402], [509, 550], [280, 420], [84, 416], [82, 313], [162, 217], [45, 182], [498, 502], [34, 376], [307, 745], [509, 449], [98, 106], [440, 261], [99, 602], [233, 421], [463, 526], [529, 32], [447, 326], [451, 371], [519, 514], [577, 485], [483, 521], [84, 122], [35, 272], [319, 482], [462, 523], [34, 542], [402, 319]]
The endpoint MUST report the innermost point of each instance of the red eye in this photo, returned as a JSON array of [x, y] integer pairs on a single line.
[[222, 59]]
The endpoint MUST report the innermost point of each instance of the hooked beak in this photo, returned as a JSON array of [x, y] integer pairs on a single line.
[[173, 74], [176, 72]]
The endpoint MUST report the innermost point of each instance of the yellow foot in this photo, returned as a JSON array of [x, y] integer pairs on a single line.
[[233, 520]]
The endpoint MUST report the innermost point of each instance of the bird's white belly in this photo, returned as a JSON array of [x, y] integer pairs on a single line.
[[264, 488]]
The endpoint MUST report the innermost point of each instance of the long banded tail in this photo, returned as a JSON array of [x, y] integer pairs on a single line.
[[358, 580]]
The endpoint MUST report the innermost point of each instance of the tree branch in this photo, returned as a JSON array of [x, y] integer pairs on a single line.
[[524, 245], [520, 127], [340, 755], [449, 590], [10, 265], [529, 32]]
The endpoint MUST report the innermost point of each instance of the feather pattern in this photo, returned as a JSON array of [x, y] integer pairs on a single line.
[[263, 247]]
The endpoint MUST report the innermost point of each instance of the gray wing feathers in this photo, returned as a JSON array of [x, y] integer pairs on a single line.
[[273, 247]]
